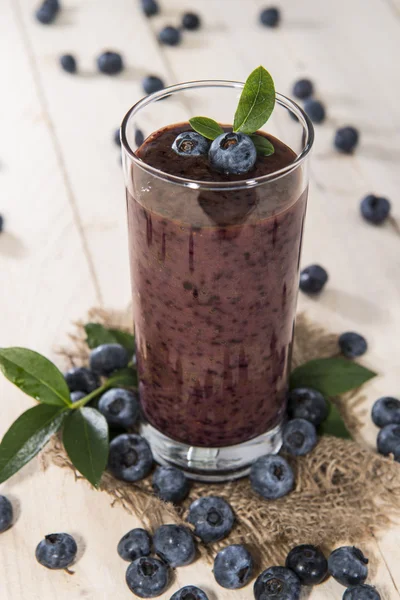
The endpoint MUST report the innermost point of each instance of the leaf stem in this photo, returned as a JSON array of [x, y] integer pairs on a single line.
[[92, 395]]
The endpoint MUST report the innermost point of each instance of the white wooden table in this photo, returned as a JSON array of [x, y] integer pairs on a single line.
[[64, 248]]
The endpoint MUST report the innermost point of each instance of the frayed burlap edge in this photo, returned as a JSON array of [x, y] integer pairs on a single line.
[[343, 490]]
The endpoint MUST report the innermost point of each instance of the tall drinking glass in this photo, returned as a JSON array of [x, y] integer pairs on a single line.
[[215, 273]]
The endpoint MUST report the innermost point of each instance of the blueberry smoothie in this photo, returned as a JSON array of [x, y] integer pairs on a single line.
[[214, 280]]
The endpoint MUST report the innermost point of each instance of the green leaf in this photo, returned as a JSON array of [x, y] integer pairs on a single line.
[[334, 424], [256, 102], [263, 145], [208, 128], [35, 375], [97, 335], [331, 376], [27, 436], [85, 438], [124, 377]]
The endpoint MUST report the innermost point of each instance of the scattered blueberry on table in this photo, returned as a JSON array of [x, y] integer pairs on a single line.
[[190, 143], [1, 223], [212, 518], [361, 592], [315, 110], [120, 407], [232, 153], [152, 84], [303, 89], [56, 551], [68, 63], [130, 457], [117, 137], [388, 441], [6, 514], [147, 577], [270, 17], [375, 209], [174, 544], [352, 344], [170, 484], [271, 476], [47, 11], [299, 437], [346, 139], [134, 544], [108, 358], [110, 63], [277, 583], [150, 7], [81, 379], [191, 21], [170, 36], [233, 567], [309, 404], [189, 592], [313, 279], [139, 139], [348, 565], [386, 411], [308, 563]]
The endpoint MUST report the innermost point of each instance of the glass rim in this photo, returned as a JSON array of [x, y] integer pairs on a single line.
[[282, 100]]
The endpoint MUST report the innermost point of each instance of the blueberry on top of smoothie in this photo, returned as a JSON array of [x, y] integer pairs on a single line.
[[233, 153], [190, 143]]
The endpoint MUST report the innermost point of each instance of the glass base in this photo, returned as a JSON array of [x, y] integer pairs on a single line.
[[211, 464]]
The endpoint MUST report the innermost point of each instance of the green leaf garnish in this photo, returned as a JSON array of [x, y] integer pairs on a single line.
[[263, 146], [27, 436], [85, 438], [208, 128], [35, 375], [330, 376], [256, 102], [124, 378], [334, 424], [97, 335]]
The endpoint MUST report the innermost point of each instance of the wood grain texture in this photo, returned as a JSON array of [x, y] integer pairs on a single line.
[[65, 246]]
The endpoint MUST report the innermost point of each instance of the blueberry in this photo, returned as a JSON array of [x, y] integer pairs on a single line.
[[212, 518], [352, 344], [270, 17], [120, 407], [170, 484], [191, 21], [152, 84], [190, 143], [1, 223], [348, 565], [134, 544], [303, 88], [389, 441], [233, 153], [56, 551], [81, 379], [6, 513], [147, 577], [150, 7], [233, 567], [47, 11], [171, 36], [308, 404], [361, 592], [375, 209], [189, 592], [386, 411], [108, 358], [315, 110], [271, 476], [313, 279], [117, 137], [139, 139], [174, 544], [277, 583], [346, 139], [110, 63], [68, 63], [130, 457], [308, 563], [299, 437], [76, 396]]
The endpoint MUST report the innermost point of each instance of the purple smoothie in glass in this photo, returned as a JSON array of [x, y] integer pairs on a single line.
[[214, 281]]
